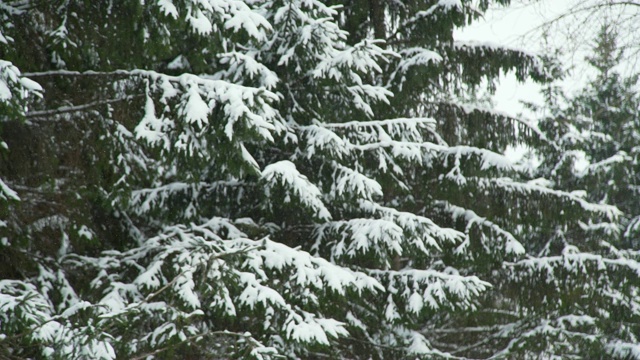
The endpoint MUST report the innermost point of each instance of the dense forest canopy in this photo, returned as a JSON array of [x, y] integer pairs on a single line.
[[304, 179]]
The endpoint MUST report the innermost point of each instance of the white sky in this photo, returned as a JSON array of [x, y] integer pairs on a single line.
[[512, 26]]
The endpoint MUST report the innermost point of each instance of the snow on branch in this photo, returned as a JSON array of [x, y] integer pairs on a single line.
[[25, 307], [359, 237], [346, 66], [242, 273], [325, 136], [423, 233], [16, 88], [410, 145], [415, 56], [574, 261], [244, 65], [406, 129], [306, 327], [511, 244], [624, 350], [6, 193], [284, 174], [205, 16], [308, 26], [360, 58], [567, 328], [238, 101], [363, 94], [606, 165], [409, 151], [151, 128], [203, 241], [435, 289], [325, 140], [632, 227], [441, 5], [488, 159], [391, 235], [307, 271], [22, 303], [199, 95], [533, 187], [351, 182]]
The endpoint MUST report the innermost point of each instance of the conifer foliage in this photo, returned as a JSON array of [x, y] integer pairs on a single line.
[[596, 134], [259, 179]]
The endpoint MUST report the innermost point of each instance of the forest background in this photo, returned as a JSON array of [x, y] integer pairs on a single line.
[[316, 179]]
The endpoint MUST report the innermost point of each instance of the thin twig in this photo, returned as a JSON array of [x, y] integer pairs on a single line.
[[78, 73], [76, 108]]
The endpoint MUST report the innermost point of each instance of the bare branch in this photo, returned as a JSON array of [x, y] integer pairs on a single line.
[[33, 115]]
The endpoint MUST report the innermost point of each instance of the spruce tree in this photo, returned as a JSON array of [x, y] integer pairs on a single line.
[[593, 312], [262, 179], [609, 107]]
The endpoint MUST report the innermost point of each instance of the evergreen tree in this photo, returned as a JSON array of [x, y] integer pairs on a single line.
[[594, 310], [610, 108], [263, 179]]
